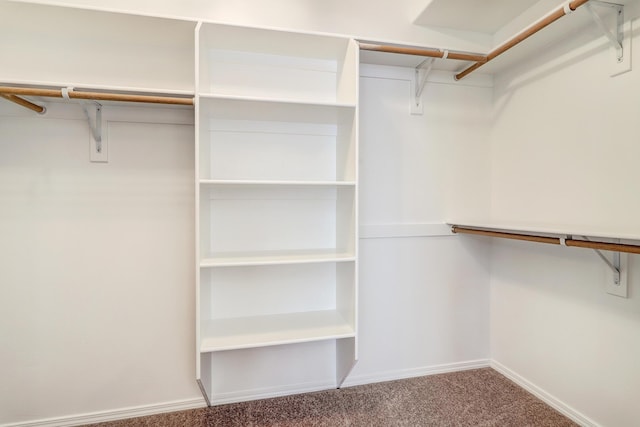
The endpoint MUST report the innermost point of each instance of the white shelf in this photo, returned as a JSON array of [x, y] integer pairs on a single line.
[[276, 258], [268, 100], [102, 49], [272, 109], [223, 182], [553, 229], [97, 87], [262, 331]]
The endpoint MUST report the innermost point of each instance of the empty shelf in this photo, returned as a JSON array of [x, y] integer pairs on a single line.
[[222, 182], [278, 329], [275, 258]]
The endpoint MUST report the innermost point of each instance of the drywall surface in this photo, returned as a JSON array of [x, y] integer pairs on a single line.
[[423, 299], [97, 306], [389, 21], [564, 151], [97, 314]]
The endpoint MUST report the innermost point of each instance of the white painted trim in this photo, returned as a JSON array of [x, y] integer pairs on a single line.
[[117, 414], [247, 395], [267, 393], [375, 231], [546, 397], [415, 372]]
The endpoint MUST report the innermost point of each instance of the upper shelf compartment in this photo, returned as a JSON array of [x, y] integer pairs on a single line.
[[273, 65], [102, 50]]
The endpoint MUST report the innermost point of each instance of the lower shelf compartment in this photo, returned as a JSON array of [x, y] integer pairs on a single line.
[[278, 329]]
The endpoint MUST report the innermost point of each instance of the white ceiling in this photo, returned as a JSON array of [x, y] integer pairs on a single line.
[[483, 16]]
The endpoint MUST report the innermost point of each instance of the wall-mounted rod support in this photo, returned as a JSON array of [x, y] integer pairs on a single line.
[[95, 126], [525, 34], [614, 266], [427, 65], [96, 96], [617, 283], [614, 247], [432, 53], [23, 102], [617, 38], [512, 236]]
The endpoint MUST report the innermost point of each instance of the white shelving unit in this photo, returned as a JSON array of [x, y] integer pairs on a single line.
[[276, 147]]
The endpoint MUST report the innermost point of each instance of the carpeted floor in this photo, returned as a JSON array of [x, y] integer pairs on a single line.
[[479, 398]]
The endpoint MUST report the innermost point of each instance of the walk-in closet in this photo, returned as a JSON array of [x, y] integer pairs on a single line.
[[209, 203]]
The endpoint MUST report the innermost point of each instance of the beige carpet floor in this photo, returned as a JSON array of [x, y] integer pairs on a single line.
[[480, 398]]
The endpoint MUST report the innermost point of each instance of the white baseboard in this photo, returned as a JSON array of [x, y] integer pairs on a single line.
[[118, 414], [268, 393], [415, 372], [547, 398]]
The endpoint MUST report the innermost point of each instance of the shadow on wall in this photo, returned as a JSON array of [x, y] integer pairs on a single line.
[[574, 49], [574, 274]]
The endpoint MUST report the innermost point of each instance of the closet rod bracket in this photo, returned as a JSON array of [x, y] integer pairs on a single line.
[[616, 37], [98, 149], [614, 266], [421, 81], [618, 267], [422, 72], [97, 143], [96, 126]]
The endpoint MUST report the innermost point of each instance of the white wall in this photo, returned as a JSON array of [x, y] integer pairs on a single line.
[[97, 309], [97, 303], [564, 151], [423, 299]]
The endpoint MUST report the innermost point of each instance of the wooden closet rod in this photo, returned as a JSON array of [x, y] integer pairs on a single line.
[[23, 102], [96, 96], [615, 247], [523, 35], [432, 53]]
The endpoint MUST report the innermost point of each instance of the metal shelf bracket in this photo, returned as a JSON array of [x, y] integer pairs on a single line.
[[421, 81], [95, 126], [422, 72], [614, 266], [98, 149], [618, 273], [98, 144], [616, 37]]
